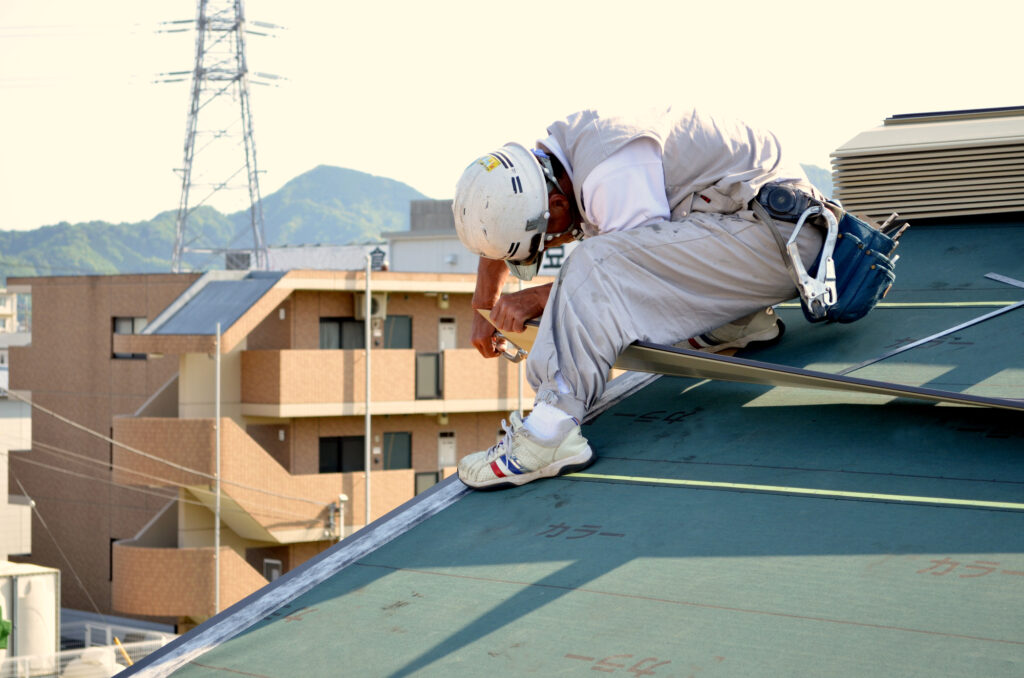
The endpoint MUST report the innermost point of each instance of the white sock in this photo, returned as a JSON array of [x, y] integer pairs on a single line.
[[547, 422]]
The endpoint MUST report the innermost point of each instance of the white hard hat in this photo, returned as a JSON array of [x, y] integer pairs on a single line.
[[501, 208]]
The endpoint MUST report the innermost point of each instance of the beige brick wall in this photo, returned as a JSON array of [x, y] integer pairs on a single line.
[[274, 332], [185, 442], [315, 376], [179, 582], [268, 436], [69, 368]]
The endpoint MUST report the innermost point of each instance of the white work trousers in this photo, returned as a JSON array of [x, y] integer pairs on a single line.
[[661, 283]]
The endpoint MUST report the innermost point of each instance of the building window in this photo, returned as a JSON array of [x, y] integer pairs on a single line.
[[349, 333], [272, 568], [397, 451], [127, 325], [345, 454], [341, 454], [429, 376], [426, 480]]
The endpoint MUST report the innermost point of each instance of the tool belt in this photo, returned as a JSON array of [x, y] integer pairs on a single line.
[[856, 267]]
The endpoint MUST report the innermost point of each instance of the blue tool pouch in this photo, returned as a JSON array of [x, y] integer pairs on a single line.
[[855, 268], [864, 270]]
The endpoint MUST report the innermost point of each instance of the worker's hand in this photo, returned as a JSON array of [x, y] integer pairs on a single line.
[[482, 336], [511, 311]]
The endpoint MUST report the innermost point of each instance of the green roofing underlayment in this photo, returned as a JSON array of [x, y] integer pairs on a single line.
[[914, 566]]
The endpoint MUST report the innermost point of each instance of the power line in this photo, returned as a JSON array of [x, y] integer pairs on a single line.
[[63, 555], [166, 481], [156, 493], [152, 457]]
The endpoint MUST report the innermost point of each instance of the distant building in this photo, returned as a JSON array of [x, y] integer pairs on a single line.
[[8, 311], [15, 438], [8, 339], [28, 595], [324, 257]]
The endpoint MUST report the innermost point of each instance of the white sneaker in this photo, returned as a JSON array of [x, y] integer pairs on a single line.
[[520, 458], [763, 327]]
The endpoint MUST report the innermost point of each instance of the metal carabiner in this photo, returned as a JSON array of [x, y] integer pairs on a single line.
[[819, 293], [517, 357]]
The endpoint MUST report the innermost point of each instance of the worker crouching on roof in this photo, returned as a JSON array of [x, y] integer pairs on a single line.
[[669, 252]]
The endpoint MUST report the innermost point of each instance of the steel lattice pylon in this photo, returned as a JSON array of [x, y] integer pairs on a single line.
[[220, 86]]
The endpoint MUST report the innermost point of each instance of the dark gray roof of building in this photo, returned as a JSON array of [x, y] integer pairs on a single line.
[[223, 301]]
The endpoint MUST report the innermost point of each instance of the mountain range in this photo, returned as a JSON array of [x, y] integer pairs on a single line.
[[326, 205]]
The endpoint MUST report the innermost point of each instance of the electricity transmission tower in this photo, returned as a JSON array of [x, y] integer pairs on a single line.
[[220, 153]]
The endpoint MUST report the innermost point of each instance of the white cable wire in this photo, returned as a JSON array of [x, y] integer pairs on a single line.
[[151, 457], [99, 462], [55, 543], [155, 493]]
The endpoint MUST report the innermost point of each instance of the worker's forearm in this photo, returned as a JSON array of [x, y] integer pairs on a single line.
[[491, 275]]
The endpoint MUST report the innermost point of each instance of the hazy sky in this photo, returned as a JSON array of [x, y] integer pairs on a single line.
[[415, 90]]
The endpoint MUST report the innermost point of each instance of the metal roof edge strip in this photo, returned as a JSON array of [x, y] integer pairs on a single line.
[[250, 610]]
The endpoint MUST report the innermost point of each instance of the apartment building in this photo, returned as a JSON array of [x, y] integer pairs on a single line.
[[15, 438], [8, 311], [135, 358]]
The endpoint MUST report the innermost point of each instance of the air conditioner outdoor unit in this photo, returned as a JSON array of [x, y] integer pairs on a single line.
[[378, 305]]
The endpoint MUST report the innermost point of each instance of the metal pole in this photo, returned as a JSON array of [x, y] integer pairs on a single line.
[[519, 367], [366, 435], [216, 524]]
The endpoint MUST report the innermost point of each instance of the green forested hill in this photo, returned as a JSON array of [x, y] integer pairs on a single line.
[[327, 205]]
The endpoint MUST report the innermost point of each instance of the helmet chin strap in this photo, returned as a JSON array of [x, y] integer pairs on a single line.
[[549, 174], [575, 231]]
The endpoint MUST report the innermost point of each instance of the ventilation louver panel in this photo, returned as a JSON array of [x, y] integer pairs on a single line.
[[935, 165]]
